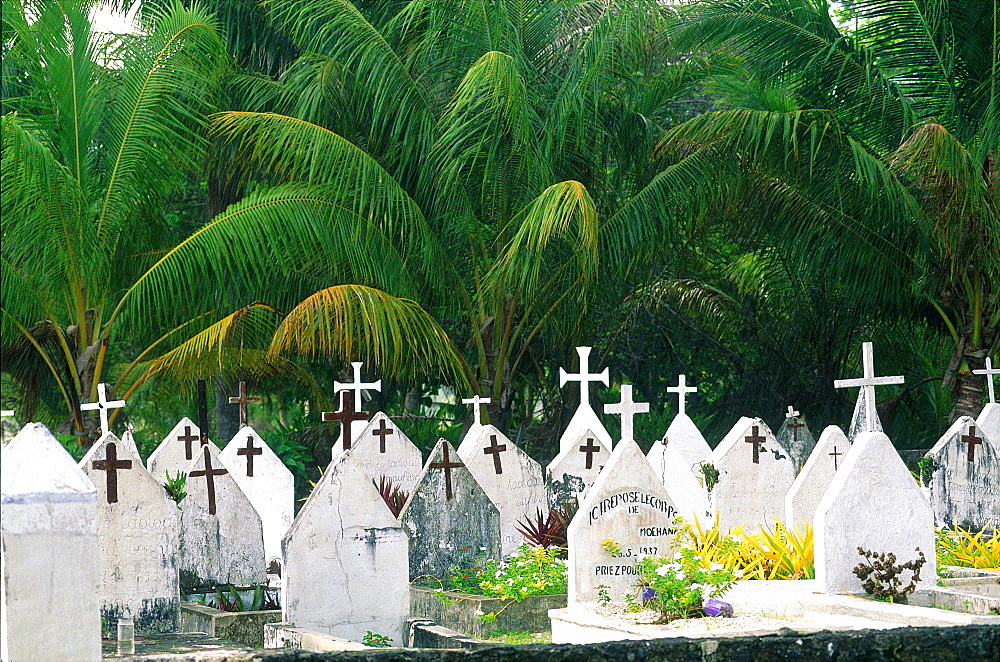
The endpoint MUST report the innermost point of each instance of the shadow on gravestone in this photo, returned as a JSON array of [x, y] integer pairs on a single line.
[[383, 449], [815, 478], [571, 473]]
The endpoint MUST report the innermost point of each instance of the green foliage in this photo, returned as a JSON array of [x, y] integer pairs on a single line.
[[228, 598], [175, 486], [710, 473], [971, 549], [376, 640], [520, 638], [681, 584], [528, 571]]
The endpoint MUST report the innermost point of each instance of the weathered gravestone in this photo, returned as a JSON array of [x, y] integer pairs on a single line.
[[448, 517], [571, 473], [511, 479], [629, 505], [137, 535], [989, 418], [266, 482], [176, 451], [684, 481], [51, 609], [815, 478], [795, 437], [222, 539], [873, 502], [755, 473], [346, 559], [965, 479], [385, 451], [585, 418], [865, 414], [859, 419]]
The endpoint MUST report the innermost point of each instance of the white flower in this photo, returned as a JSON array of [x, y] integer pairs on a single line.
[[662, 571], [716, 566], [737, 573], [479, 612]]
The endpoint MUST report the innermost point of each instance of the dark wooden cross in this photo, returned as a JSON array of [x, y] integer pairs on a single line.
[[495, 449], [447, 465], [209, 473], [346, 416], [112, 464], [242, 402], [793, 422], [590, 448], [835, 455], [972, 440], [250, 450], [203, 411], [382, 431], [187, 438], [755, 439]]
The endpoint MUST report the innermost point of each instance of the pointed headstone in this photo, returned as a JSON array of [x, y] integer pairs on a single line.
[[755, 473], [448, 517], [511, 479], [859, 419], [137, 533], [476, 403], [266, 482], [176, 451], [815, 477], [965, 479], [989, 422], [795, 437], [51, 608], [584, 420], [629, 505], [571, 473], [684, 481], [222, 540], [383, 449], [346, 559], [874, 503]]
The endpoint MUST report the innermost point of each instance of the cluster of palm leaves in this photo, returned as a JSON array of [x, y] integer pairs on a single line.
[[459, 193]]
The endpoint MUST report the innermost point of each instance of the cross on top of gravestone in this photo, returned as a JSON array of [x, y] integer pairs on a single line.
[[187, 438], [382, 431], [111, 464], [584, 376], [249, 451], [357, 385], [682, 389], [589, 449], [972, 440], [6, 413], [102, 405], [346, 417], [475, 402], [447, 465], [242, 401], [495, 449], [868, 383], [793, 422], [209, 472], [835, 455], [989, 371], [627, 409], [756, 439]]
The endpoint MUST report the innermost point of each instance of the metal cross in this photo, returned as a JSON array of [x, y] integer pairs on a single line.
[[682, 389], [792, 415], [495, 449], [755, 439], [447, 465], [187, 438], [6, 413], [627, 409], [584, 376], [209, 473], [102, 405], [590, 448], [250, 450], [111, 464], [346, 416], [357, 385], [835, 455], [382, 432], [203, 411], [242, 402], [972, 440], [868, 383], [475, 402], [990, 371]]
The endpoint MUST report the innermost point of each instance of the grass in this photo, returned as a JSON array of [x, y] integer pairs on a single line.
[[520, 638]]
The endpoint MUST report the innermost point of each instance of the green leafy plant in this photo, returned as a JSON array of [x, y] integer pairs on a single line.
[[603, 597], [175, 486], [925, 469], [681, 585], [228, 598], [961, 547], [611, 547], [467, 574], [376, 640], [528, 571], [548, 529], [880, 576], [710, 473]]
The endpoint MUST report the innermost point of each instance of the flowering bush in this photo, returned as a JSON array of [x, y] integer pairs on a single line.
[[681, 584], [467, 574], [528, 571]]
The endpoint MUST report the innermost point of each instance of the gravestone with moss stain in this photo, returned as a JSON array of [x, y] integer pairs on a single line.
[[571, 473], [965, 479], [795, 437], [815, 478]]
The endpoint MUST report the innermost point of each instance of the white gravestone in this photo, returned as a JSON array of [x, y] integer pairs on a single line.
[[511, 479], [687, 440], [874, 503], [865, 414], [989, 418], [222, 539], [755, 473], [449, 518], [628, 504], [137, 533], [345, 559], [585, 418], [384, 450], [683, 481], [965, 481], [860, 417], [815, 478], [266, 481], [571, 473], [472, 434], [176, 451], [795, 437], [51, 608]]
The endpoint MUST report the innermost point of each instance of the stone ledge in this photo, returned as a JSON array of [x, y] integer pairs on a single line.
[[244, 627], [461, 612], [424, 633], [287, 636]]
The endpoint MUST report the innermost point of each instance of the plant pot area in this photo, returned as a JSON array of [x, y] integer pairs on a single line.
[[245, 627], [470, 614]]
